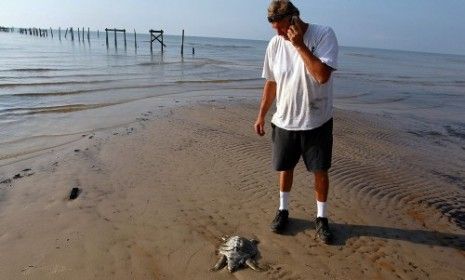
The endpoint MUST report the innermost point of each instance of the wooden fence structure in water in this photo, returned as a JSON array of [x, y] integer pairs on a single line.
[[155, 35]]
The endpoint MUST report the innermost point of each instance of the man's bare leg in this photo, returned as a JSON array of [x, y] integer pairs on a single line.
[[321, 185], [285, 180]]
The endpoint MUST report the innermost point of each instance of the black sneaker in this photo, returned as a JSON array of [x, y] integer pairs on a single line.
[[322, 230], [280, 221]]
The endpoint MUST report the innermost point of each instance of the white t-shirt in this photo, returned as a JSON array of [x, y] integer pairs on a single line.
[[301, 103]]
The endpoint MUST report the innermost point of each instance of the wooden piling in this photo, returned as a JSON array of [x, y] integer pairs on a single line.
[[83, 37], [135, 39], [66, 33], [79, 35], [182, 43], [72, 34], [116, 41], [106, 33], [88, 34], [125, 45], [51, 32]]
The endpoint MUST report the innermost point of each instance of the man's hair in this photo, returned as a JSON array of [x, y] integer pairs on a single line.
[[281, 7]]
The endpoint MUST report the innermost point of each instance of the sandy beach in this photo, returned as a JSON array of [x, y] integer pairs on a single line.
[[158, 193]]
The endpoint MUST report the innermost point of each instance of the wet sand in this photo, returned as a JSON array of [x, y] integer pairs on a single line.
[[158, 193]]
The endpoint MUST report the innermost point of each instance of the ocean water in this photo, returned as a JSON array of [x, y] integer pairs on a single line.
[[52, 90]]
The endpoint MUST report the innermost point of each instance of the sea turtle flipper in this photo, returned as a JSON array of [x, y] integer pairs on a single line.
[[253, 265], [220, 264]]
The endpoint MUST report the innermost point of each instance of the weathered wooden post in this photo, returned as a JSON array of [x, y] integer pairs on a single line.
[[51, 32], [79, 35], [116, 41], [88, 34], [135, 39], [98, 33], [83, 37], [66, 33], [106, 32], [182, 43], [72, 34], [125, 45]]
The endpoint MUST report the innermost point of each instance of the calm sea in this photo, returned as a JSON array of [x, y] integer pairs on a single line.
[[52, 90]]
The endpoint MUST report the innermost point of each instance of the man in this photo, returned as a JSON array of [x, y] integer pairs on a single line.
[[298, 70]]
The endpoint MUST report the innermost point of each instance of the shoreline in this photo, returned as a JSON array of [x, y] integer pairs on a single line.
[[159, 192]]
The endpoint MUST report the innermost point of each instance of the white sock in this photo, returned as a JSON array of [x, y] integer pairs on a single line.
[[321, 207], [283, 200]]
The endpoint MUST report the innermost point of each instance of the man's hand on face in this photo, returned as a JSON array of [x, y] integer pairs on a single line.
[[296, 34]]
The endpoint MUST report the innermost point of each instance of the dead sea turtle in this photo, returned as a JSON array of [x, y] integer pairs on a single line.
[[236, 251]]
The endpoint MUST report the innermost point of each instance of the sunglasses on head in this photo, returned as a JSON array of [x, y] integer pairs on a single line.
[[278, 17]]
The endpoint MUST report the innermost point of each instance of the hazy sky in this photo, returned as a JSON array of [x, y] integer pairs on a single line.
[[419, 25]]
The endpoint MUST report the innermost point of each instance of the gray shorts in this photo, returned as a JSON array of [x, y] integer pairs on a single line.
[[315, 146]]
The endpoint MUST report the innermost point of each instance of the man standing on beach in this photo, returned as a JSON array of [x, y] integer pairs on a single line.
[[298, 65]]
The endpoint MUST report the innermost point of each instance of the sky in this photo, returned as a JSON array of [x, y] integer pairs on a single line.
[[415, 25]]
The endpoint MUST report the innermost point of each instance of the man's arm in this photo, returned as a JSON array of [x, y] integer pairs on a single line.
[[319, 70], [269, 95]]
